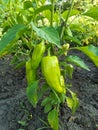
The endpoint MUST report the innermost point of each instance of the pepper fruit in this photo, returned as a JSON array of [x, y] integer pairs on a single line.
[[30, 73], [62, 81], [51, 72], [65, 48], [37, 54]]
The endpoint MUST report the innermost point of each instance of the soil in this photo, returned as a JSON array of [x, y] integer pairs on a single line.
[[16, 113]]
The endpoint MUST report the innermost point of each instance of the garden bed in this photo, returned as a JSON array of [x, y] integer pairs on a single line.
[[16, 113]]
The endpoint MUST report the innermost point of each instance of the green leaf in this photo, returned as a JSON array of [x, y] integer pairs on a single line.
[[22, 123], [69, 32], [69, 70], [72, 102], [42, 90], [27, 4], [93, 13], [45, 101], [47, 33], [74, 39], [73, 12], [69, 102], [77, 27], [32, 93], [19, 65], [75, 102], [47, 107], [77, 61], [42, 8], [62, 97], [10, 37], [91, 51], [53, 119]]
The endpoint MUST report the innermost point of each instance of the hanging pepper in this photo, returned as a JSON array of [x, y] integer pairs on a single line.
[[51, 72], [30, 73], [33, 63], [37, 54]]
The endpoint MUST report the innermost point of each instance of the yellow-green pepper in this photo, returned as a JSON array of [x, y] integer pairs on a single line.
[[52, 74], [37, 54], [30, 73]]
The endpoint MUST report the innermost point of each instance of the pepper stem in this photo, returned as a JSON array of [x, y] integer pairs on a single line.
[[49, 54]]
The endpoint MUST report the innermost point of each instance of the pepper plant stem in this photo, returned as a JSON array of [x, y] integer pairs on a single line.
[[66, 20], [52, 12]]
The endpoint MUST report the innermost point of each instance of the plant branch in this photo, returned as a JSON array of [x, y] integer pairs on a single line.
[[66, 20], [52, 12]]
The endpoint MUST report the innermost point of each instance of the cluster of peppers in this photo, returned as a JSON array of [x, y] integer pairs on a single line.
[[49, 66]]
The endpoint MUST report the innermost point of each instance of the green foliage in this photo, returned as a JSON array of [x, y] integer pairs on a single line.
[[22, 123], [53, 119], [73, 12], [41, 9], [91, 51], [77, 61], [92, 13], [10, 37], [72, 102], [69, 69], [48, 33], [32, 93]]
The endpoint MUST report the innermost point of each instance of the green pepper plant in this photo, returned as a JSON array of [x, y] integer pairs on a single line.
[[36, 33]]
